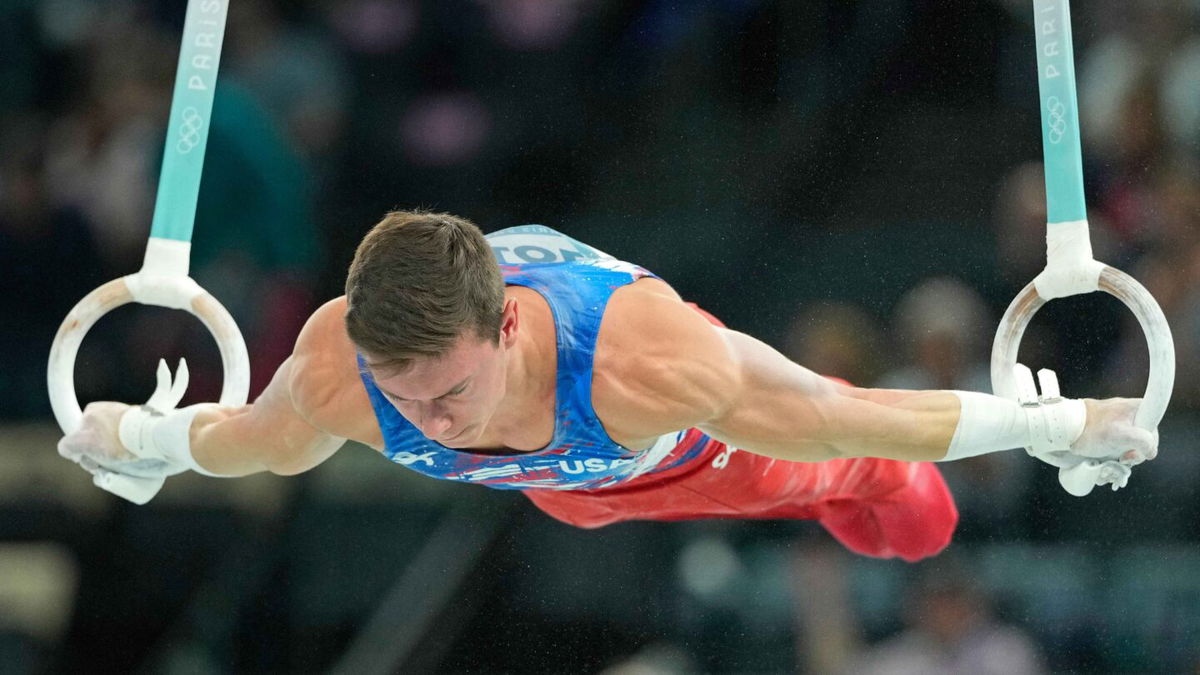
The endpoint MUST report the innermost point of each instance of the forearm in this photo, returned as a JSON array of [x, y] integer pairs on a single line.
[[896, 424], [220, 444], [917, 426], [964, 424], [848, 422], [236, 442], [270, 435], [786, 411]]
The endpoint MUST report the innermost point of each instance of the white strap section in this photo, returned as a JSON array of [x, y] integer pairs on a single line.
[[157, 430], [1055, 426], [172, 437], [167, 257], [1070, 268], [163, 279]]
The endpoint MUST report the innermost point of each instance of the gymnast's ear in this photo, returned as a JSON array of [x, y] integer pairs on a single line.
[[509, 322]]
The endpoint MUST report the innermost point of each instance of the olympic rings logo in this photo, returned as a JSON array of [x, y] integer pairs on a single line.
[[189, 131], [1058, 119]]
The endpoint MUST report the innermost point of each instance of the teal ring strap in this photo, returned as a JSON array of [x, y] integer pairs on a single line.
[[191, 109], [1060, 112]]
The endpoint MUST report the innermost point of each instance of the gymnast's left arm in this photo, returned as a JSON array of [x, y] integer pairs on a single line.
[[784, 410], [745, 393], [779, 408]]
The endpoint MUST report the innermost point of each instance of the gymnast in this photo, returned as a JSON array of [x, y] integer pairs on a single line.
[[528, 360]]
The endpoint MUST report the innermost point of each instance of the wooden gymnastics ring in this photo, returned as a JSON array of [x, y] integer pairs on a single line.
[[149, 288]]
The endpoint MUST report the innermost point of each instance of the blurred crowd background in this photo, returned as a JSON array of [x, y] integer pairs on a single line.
[[858, 183]]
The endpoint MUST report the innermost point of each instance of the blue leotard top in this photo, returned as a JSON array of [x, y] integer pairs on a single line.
[[577, 281]]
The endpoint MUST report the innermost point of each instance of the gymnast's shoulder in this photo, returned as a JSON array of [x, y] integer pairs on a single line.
[[323, 381], [660, 365]]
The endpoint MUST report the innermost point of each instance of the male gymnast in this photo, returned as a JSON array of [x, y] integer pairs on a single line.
[[528, 360]]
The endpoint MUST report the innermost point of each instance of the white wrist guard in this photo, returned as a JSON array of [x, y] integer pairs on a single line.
[[986, 424], [150, 434], [990, 424], [157, 431]]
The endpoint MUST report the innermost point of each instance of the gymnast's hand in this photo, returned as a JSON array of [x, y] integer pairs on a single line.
[[1107, 449], [1107, 444], [97, 444], [97, 439], [1110, 433]]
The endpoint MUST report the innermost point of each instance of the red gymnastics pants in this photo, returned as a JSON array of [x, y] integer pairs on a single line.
[[877, 507]]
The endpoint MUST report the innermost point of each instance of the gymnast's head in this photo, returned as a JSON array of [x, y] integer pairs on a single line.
[[425, 307]]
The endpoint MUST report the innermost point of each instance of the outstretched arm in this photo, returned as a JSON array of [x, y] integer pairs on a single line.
[[669, 369], [779, 408], [313, 403], [269, 435]]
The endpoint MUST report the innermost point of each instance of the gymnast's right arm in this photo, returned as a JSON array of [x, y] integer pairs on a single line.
[[314, 402]]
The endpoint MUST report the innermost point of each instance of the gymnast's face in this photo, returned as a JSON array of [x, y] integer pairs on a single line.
[[451, 399]]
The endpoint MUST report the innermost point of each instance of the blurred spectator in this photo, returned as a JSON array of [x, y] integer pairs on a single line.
[[1174, 220], [1123, 173], [444, 128], [292, 71], [1144, 38], [950, 630], [375, 26], [103, 153], [1170, 270], [1138, 109], [533, 25], [660, 658], [837, 339], [1020, 221], [37, 596], [49, 261], [827, 628], [942, 327]]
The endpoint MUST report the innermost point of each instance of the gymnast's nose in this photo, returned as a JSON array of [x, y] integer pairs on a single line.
[[435, 420]]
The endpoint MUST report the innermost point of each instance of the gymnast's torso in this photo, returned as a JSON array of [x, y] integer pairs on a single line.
[[576, 282]]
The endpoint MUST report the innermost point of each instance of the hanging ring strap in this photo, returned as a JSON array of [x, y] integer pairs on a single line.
[[163, 279], [1070, 267]]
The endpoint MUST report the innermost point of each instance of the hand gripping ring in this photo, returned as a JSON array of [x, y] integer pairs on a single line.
[[172, 291], [175, 291], [1126, 289]]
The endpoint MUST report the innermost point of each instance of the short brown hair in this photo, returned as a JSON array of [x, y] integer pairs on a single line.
[[418, 282]]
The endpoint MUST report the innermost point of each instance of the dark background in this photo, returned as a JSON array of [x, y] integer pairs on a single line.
[[856, 182]]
